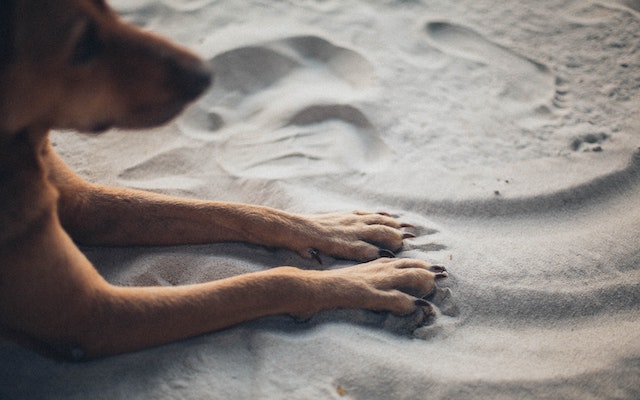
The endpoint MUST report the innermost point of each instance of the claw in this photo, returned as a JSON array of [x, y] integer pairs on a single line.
[[408, 235], [386, 253], [442, 275], [315, 254], [437, 268], [404, 225]]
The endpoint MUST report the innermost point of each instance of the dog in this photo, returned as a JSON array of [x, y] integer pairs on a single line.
[[74, 64]]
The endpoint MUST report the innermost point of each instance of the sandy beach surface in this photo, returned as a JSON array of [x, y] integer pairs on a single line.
[[508, 133]]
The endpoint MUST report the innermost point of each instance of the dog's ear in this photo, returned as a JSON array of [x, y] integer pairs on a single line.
[[6, 32]]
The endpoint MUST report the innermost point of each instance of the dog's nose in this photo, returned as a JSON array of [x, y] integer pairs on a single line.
[[191, 81]]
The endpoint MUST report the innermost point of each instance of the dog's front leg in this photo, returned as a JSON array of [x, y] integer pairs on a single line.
[[113, 216], [53, 295]]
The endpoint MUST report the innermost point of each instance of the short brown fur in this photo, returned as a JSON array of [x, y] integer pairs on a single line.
[[73, 64]]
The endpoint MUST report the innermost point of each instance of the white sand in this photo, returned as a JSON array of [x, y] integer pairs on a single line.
[[507, 133]]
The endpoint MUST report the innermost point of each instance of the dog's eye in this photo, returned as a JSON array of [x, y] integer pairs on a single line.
[[88, 47]]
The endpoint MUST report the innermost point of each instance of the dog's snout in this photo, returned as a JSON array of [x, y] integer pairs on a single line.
[[190, 81]]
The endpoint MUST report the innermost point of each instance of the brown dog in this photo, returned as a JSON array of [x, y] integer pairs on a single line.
[[73, 64]]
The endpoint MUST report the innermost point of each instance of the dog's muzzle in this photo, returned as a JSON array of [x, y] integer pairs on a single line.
[[190, 81]]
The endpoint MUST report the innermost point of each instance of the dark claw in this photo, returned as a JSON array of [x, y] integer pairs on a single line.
[[408, 235], [437, 268], [315, 254], [386, 253], [442, 275], [403, 225]]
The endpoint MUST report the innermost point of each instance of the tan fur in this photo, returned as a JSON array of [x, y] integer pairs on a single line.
[[73, 64]]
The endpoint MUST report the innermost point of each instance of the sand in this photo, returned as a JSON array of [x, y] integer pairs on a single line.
[[508, 133]]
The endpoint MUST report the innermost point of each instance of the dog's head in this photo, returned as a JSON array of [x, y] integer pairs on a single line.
[[73, 64]]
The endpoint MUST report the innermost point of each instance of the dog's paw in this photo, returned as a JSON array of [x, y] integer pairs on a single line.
[[354, 235]]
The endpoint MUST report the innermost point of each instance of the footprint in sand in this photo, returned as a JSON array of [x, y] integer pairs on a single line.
[[524, 81], [253, 68], [286, 108], [319, 139]]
